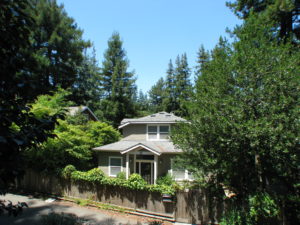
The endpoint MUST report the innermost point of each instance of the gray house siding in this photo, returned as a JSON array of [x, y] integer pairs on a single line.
[[135, 132], [164, 162], [103, 161]]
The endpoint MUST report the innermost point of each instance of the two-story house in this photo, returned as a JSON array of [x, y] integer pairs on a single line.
[[145, 149]]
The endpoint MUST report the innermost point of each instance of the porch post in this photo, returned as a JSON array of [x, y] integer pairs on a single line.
[[127, 165], [155, 168]]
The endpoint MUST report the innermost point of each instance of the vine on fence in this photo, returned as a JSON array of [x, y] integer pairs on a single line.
[[134, 182]]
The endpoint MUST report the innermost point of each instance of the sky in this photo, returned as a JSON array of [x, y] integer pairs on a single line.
[[153, 31]]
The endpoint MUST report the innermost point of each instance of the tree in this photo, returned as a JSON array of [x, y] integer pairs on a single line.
[[244, 128], [169, 101], [57, 46], [156, 95], [183, 87], [117, 83], [203, 56], [284, 12], [19, 128], [74, 138], [86, 89]]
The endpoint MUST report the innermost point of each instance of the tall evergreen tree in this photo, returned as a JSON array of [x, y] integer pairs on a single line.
[[156, 94], [203, 56], [285, 13], [86, 89], [117, 83], [245, 124], [58, 45], [19, 129], [169, 101], [183, 87]]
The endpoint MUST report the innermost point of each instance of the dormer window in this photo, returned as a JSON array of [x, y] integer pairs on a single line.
[[158, 132]]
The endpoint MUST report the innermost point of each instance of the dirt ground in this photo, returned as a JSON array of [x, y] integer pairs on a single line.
[[38, 208]]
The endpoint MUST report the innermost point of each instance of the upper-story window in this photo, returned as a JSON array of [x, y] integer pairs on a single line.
[[158, 132]]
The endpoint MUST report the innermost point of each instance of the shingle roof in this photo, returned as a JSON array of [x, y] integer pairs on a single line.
[[157, 146], [73, 110], [161, 117]]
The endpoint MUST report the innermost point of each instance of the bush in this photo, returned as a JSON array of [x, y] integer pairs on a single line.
[[121, 176], [235, 217], [67, 171], [165, 180], [95, 175], [262, 206], [135, 181]]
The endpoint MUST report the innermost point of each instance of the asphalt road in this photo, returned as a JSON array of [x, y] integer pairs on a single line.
[[38, 208]]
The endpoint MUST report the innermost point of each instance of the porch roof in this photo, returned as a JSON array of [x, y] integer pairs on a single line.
[[156, 147]]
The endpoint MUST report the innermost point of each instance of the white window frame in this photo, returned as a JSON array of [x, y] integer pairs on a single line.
[[109, 165], [186, 174], [157, 131]]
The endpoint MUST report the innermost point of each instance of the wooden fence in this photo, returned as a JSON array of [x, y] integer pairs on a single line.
[[193, 206]]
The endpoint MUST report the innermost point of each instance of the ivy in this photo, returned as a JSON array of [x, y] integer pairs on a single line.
[[134, 182]]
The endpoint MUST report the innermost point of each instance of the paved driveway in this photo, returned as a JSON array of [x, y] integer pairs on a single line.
[[38, 208]]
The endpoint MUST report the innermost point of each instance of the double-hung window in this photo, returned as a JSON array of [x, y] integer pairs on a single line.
[[158, 132], [115, 166]]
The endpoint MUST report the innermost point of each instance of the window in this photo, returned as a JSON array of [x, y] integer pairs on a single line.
[[152, 132], [158, 132], [180, 173], [163, 132], [115, 166]]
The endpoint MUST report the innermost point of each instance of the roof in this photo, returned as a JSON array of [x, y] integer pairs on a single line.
[[79, 109], [156, 147], [161, 117]]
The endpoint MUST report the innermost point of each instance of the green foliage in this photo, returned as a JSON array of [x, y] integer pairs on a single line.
[[67, 171], [95, 175], [121, 175], [236, 217], [49, 105], [58, 46], [73, 142], [165, 180], [285, 14], [245, 114], [134, 182], [20, 129], [262, 206], [117, 83], [172, 93]]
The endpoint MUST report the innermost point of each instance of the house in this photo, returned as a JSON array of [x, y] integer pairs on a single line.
[[145, 149], [83, 110]]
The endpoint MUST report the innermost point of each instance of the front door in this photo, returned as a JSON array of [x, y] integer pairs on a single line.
[[145, 169]]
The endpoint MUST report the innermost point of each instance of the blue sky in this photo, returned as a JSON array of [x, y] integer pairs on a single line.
[[153, 31]]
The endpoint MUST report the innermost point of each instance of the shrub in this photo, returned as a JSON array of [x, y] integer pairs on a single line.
[[121, 176], [95, 175], [135, 181], [67, 171], [165, 180], [262, 206]]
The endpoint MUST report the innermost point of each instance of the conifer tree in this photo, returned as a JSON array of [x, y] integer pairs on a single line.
[[117, 83], [58, 46], [169, 102], [183, 87], [203, 57], [156, 94]]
